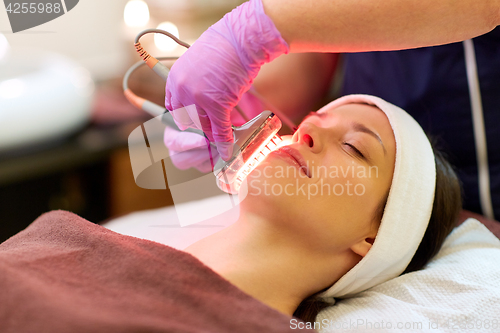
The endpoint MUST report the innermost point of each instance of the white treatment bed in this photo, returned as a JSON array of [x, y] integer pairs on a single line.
[[458, 291]]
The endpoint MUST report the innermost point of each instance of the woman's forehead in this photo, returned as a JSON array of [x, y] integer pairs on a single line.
[[364, 113], [332, 108]]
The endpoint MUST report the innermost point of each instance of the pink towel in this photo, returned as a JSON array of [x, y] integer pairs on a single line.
[[65, 274]]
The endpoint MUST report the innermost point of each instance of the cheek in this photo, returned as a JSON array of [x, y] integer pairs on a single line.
[[352, 198], [368, 195], [344, 177], [345, 216]]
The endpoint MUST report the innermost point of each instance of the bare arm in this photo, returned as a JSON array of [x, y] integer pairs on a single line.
[[296, 83], [379, 25]]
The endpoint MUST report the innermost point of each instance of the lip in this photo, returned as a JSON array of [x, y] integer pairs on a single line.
[[297, 157]]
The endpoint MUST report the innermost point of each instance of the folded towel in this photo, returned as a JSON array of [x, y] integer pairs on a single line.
[[65, 274]]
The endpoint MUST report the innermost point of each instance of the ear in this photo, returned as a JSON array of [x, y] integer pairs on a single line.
[[362, 247]]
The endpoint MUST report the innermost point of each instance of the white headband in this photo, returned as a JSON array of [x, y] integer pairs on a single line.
[[408, 208]]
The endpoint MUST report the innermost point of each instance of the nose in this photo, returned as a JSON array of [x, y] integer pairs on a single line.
[[310, 136]]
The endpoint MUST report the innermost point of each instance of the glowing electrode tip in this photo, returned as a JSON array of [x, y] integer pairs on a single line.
[[268, 147]]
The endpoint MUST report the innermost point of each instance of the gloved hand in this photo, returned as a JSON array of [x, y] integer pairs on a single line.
[[219, 67], [190, 150]]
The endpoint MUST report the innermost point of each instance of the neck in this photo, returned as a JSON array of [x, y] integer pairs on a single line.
[[265, 263]]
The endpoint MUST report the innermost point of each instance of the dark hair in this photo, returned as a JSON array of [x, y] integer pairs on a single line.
[[445, 210]]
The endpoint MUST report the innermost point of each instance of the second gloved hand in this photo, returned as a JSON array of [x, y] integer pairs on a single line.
[[190, 150], [219, 67]]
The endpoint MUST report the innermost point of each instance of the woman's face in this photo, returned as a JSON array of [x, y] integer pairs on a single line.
[[328, 186]]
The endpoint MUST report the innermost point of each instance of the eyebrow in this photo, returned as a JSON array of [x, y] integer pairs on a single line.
[[358, 127]]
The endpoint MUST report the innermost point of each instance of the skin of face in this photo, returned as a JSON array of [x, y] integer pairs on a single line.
[[288, 246], [348, 154]]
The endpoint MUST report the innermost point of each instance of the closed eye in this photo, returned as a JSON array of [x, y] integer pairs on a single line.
[[356, 150]]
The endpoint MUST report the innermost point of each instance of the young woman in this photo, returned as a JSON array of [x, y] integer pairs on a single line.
[[344, 206], [314, 207]]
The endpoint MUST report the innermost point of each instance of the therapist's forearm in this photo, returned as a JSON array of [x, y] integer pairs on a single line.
[[379, 25]]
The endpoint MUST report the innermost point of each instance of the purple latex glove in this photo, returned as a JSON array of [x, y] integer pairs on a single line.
[[190, 150], [219, 67]]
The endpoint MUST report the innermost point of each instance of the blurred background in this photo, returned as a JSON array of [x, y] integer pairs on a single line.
[[64, 122]]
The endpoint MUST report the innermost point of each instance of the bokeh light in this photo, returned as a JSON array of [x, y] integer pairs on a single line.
[[136, 13], [165, 43]]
